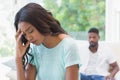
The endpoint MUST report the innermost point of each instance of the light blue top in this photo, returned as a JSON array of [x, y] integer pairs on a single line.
[[51, 63]]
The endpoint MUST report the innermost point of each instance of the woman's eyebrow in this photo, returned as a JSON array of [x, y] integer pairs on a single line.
[[27, 29]]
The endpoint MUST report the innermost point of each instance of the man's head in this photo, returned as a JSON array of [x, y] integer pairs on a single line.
[[94, 37]]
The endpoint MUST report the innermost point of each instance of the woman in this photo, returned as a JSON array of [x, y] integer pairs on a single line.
[[43, 49]]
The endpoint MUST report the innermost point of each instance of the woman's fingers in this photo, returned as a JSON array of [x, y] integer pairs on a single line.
[[20, 48], [20, 36], [17, 33]]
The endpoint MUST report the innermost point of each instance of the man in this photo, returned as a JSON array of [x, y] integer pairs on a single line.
[[97, 59]]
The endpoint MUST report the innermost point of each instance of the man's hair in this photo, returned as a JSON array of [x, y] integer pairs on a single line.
[[93, 30]]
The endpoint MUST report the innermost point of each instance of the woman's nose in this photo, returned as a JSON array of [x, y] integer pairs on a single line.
[[29, 38]]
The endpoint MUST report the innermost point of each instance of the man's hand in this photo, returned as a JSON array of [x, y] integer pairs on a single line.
[[109, 78]]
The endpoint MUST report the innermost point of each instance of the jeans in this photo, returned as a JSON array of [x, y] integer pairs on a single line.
[[91, 77]]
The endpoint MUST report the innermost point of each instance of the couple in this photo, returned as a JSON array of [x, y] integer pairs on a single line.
[[44, 50]]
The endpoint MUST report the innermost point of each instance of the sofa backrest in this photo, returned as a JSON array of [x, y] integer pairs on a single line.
[[112, 45]]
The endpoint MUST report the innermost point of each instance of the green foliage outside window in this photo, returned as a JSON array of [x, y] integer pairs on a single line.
[[79, 15]]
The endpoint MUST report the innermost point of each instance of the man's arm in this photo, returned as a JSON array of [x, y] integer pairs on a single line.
[[114, 69]]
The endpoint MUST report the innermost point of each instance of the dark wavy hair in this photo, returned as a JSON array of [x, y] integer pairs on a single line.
[[40, 18]]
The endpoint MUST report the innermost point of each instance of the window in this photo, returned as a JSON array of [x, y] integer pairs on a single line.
[[112, 20]]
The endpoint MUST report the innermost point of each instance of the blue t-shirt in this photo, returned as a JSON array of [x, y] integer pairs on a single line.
[[51, 63]]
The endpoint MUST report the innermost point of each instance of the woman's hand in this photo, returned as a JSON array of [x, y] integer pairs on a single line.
[[20, 48]]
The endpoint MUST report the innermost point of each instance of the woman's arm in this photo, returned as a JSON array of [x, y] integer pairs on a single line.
[[20, 69], [31, 72], [72, 72], [28, 74], [22, 74]]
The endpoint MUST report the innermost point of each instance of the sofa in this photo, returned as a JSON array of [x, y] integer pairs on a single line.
[[115, 46]]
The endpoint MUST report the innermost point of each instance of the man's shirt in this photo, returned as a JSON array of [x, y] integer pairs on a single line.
[[97, 63]]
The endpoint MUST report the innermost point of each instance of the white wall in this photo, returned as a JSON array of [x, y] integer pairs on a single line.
[[112, 20]]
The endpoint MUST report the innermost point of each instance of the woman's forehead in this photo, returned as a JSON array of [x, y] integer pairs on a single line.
[[24, 26]]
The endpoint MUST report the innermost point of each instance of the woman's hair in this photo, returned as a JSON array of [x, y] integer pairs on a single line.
[[41, 19]]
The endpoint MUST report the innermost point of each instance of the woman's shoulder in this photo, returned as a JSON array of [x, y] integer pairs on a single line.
[[69, 42], [35, 48]]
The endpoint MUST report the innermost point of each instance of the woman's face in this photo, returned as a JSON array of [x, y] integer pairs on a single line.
[[31, 33]]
